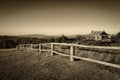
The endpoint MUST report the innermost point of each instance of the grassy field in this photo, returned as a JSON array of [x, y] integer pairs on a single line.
[[23, 65], [106, 55]]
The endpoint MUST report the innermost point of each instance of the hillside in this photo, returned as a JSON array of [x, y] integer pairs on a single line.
[[38, 36], [24, 65]]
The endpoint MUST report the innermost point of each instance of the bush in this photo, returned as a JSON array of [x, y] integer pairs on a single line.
[[7, 44], [12, 41]]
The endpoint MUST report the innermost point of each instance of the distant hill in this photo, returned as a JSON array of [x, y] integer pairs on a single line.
[[45, 36], [37, 36], [40, 36]]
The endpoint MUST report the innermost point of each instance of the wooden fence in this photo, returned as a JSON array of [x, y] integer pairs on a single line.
[[38, 47]]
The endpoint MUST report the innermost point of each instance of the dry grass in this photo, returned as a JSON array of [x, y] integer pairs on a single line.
[[23, 65], [107, 57], [111, 56]]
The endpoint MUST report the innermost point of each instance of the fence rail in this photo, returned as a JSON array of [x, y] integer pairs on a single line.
[[30, 47]]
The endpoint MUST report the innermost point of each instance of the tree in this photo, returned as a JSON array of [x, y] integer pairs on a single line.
[[51, 39], [118, 38], [63, 38], [79, 37], [7, 44], [118, 35]]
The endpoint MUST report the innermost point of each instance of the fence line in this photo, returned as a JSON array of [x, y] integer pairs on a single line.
[[72, 51]]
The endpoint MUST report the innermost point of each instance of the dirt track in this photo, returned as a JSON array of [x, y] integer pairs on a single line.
[[23, 65]]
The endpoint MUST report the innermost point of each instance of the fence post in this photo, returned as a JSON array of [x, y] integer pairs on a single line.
[[72, 52], [40, 47], [52, 48], [25, 46], [22, 46], [31, 47]]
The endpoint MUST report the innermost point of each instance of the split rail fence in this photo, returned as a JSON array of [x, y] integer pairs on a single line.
[[52, 47]]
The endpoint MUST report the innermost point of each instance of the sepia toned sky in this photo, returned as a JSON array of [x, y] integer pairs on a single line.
[[56, 17]]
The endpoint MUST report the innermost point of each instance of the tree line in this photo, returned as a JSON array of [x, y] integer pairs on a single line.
[[13, 41]]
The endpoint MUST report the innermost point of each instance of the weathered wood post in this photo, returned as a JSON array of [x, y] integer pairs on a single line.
[[72, 52], [31, 47], [52, 48], [28, 47], [25, 46], [17, 47], [40, 47], [22, 46]]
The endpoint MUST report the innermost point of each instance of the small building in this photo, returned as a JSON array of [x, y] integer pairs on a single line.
[[98, 35]]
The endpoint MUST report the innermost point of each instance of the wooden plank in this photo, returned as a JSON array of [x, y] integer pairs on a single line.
[[45, 50], [99, 47], [76, 45], [52, 48], [72, 52], [64, 44], [40, 47], [99, 62], [86, 46], [61, 53]]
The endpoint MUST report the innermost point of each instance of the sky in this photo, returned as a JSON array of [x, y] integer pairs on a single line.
[[57, 17]]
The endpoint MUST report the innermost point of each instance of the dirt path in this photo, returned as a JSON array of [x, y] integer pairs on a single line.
[[23, 65]]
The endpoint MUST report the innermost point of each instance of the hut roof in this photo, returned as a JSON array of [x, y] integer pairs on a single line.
[[98, 33]]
